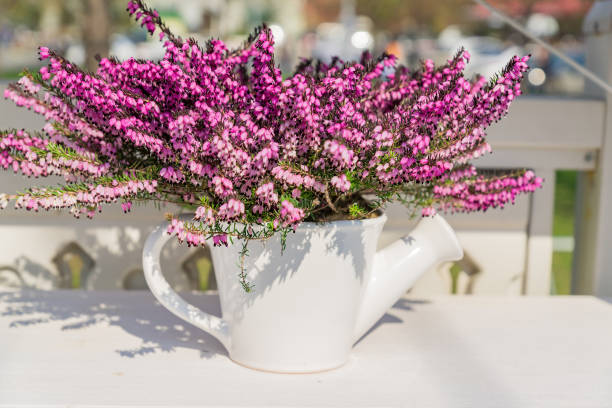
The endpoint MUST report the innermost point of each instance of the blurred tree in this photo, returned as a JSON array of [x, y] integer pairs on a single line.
[[319, 11], [50, 21], [64, 22], [96, 29], [397, 16], [18, 12]]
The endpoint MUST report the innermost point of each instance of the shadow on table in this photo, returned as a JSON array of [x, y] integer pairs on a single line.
[[159, 330], [403, 304]]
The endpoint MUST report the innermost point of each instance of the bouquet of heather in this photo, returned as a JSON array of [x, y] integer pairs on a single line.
[[254, 152]]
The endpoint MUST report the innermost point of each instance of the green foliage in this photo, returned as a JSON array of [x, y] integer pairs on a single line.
[[565, 196], [455, 271], [562, 273], [563, 225], [357, 211], [244, 252]]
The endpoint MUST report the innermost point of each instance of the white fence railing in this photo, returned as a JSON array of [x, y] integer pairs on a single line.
[[593, 243]]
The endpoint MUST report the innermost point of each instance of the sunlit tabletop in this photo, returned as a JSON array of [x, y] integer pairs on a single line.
[[122, 349]]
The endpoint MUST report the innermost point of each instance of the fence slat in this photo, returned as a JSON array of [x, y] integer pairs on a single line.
[[538, 265], [593, 254]]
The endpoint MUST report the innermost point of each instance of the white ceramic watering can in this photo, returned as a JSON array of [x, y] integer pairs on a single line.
[[313, 302]]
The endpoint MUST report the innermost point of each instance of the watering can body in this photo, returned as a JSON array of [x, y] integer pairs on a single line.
[[313, 300]]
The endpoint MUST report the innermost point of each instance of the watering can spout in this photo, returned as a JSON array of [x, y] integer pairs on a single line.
[[397, 267]]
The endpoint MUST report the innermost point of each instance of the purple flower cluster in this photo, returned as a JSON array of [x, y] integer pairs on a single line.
[[223, 132]]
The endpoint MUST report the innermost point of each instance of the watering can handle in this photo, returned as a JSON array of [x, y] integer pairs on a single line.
[[162, 291]]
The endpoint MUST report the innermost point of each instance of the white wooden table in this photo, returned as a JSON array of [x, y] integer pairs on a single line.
[[73, 348]]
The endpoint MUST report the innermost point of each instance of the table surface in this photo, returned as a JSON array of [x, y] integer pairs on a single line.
[[74, 348]]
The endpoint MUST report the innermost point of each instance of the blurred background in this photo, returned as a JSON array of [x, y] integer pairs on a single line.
[[410, 29]]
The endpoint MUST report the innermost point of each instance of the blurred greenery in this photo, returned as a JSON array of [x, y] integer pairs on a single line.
[[565, 193], [75, 263], [399, 15], [29, 12], [204, 266], [10, 75], [21, 12], [455, 271], [562, 273]]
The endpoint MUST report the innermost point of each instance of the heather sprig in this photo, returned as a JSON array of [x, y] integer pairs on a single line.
[[251, 152]]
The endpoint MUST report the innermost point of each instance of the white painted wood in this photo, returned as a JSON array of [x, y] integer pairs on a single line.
[[550, 122], [593, 257], [540, 243], [29, 243], [563, 243], [544, 157], [118, 349]]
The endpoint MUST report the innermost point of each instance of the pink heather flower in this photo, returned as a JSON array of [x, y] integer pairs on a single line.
[[289, 214], [171, 174], [223, 187], [266, 195], [175, 226], [341, 183], [340, 154], [204, 214], [27, 84], [231, 210], [219, 240], [428, 211], [43, 53], [132, 7]]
